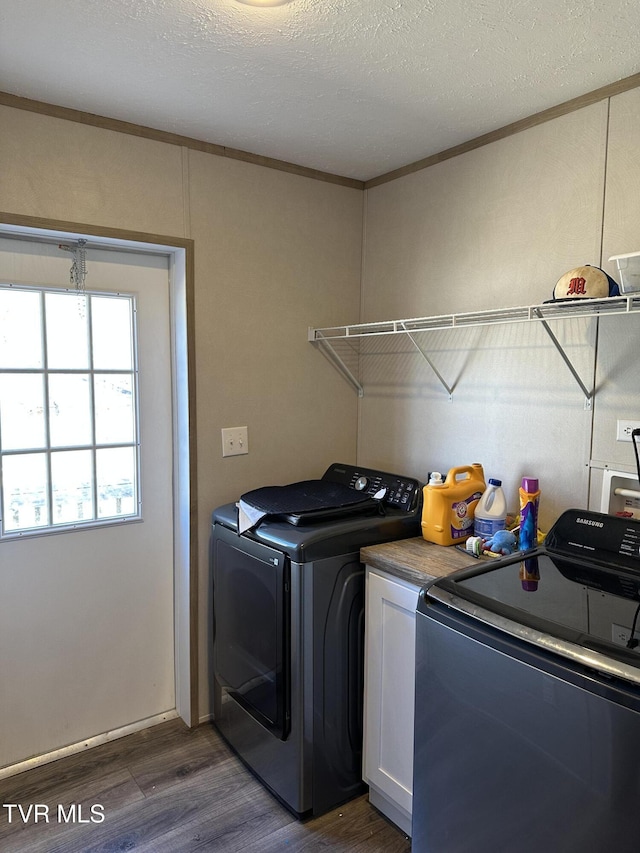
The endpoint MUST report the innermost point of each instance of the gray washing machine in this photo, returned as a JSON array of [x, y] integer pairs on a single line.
[[288, 629]]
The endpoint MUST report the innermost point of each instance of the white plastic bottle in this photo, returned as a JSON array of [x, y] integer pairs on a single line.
[[491, 511]]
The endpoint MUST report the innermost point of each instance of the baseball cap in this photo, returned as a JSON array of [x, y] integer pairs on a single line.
[[586, 282]]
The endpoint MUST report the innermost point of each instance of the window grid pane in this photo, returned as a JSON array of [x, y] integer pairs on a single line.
[[66, 331], [25, 491], [70, 420], [72, 486], [22, 411], [79, 415], [20, 329]]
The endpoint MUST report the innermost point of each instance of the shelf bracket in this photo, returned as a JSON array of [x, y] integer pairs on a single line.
[[444, 384], [588, 394], [333, 356]]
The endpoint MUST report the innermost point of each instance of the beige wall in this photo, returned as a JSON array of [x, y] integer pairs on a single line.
[[274, 253], [63, 170], [618, 367], [496, 227]]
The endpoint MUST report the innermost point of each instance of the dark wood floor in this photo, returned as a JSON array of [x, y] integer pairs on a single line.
[[169, 789]]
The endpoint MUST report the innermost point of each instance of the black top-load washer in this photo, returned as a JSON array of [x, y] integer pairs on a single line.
[[288, 626]]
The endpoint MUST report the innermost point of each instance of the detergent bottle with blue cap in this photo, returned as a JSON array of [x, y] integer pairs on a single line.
[[448, 507]]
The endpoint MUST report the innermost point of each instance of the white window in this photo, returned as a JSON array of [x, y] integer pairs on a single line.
[[69, 449]]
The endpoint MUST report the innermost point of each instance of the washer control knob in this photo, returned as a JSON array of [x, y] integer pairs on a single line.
[[361, 484]]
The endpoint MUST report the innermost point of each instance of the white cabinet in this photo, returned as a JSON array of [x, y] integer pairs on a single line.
[[390, 623]]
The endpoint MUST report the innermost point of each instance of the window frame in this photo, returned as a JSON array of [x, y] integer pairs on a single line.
[[93, 446]]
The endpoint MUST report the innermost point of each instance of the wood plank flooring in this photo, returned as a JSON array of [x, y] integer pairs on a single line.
[[169, 789]]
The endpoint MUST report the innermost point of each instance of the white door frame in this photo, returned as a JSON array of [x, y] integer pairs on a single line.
[[179, 252]]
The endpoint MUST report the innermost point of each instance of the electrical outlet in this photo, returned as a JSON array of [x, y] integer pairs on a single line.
[[235, 441], [619, 634], [625, 428]]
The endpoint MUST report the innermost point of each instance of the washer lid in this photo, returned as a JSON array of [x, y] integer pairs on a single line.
[[550, 600], [305, 496], [308, 500]]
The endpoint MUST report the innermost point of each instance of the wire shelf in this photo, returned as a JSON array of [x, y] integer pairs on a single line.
[[544, 313]]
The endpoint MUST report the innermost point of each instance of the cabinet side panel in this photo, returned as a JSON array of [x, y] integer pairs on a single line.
[[390, 687]]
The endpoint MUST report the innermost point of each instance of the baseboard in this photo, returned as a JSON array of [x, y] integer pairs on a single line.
[[89, 743], [395, 813]]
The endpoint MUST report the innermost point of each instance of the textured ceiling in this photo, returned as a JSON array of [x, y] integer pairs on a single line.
[[352, 87]]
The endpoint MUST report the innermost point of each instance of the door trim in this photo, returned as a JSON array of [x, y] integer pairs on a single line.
[[180, 253]]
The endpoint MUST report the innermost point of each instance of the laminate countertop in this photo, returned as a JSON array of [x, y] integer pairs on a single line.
[[415, 560]]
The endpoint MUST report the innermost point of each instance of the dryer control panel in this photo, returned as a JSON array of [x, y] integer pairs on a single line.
[[393, 490]]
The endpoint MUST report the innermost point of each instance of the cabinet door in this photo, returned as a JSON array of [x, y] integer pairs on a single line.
[[390, 626]]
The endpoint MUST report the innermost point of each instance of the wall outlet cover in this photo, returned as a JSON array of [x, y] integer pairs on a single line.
[[625, 428]]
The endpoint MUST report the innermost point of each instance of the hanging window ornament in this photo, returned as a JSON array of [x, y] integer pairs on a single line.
[[79, 266], [78, 272]]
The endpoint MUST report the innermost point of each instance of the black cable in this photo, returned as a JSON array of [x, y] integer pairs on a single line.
[[631, 643], [634, 434]]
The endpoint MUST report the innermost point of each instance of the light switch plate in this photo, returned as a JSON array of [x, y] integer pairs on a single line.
[[235, 441]]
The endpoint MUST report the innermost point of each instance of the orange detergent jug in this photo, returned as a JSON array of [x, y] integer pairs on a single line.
[[448, 507]]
